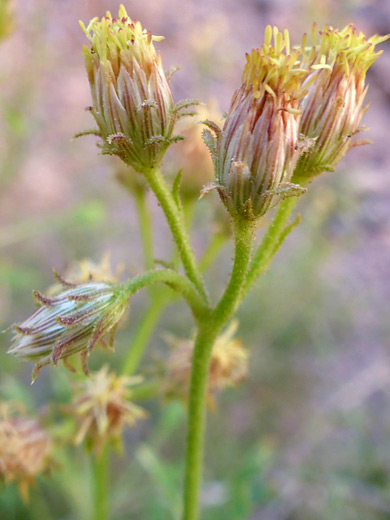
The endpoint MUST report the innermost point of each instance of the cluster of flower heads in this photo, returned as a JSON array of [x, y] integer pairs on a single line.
[[228, 364], [102, 407], [26, 450], [293, 117], [69, 322]]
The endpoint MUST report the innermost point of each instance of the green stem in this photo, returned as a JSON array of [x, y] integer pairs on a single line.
[[143, 334], [101, 484], [273, 239], [172, 279], [209, 329], [159, 299], [244, 234], [196, 419], [146, 229], [175, 221]]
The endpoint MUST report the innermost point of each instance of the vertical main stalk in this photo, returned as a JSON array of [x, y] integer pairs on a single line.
[[209, 328]]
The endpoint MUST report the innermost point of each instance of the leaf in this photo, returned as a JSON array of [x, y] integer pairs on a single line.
[[176, 188]]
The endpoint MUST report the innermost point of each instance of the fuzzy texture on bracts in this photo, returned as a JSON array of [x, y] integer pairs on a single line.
[[132, 101], [256, 151], [70, 322], [337, 62]]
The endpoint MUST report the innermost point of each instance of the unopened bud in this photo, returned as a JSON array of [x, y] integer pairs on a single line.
[[132, 101], [70, 322], [256, 151], [332, 110]]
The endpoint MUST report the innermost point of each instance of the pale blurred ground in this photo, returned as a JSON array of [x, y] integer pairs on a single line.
[[316, 408]]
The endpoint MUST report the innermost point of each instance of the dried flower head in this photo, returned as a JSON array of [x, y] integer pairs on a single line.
[[256, 151], [25, 449], [102, 408], [72, 321], [332, 110], [132, 101], [191, 154], [228, 364]]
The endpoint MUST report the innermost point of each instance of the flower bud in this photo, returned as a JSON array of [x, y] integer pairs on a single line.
[[102, 407], [256, 151], [332, 110], [25, 449], [132, 101], [72, 321]]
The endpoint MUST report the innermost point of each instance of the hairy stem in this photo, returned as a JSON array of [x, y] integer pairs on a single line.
[[196, 419], [209, 328], [175, 281], [177, 226], [272, 240]]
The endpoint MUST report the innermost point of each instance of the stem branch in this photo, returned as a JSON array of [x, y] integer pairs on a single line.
[[175, 221], [270, 244], [173, 280]]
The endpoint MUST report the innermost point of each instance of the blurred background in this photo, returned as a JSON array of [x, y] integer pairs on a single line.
[[308, 434]]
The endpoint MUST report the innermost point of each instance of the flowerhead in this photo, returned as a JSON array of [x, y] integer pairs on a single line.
[[70, 322], [131, 98], [102, 407], [331, 112], [256, 151], [25, 449]]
